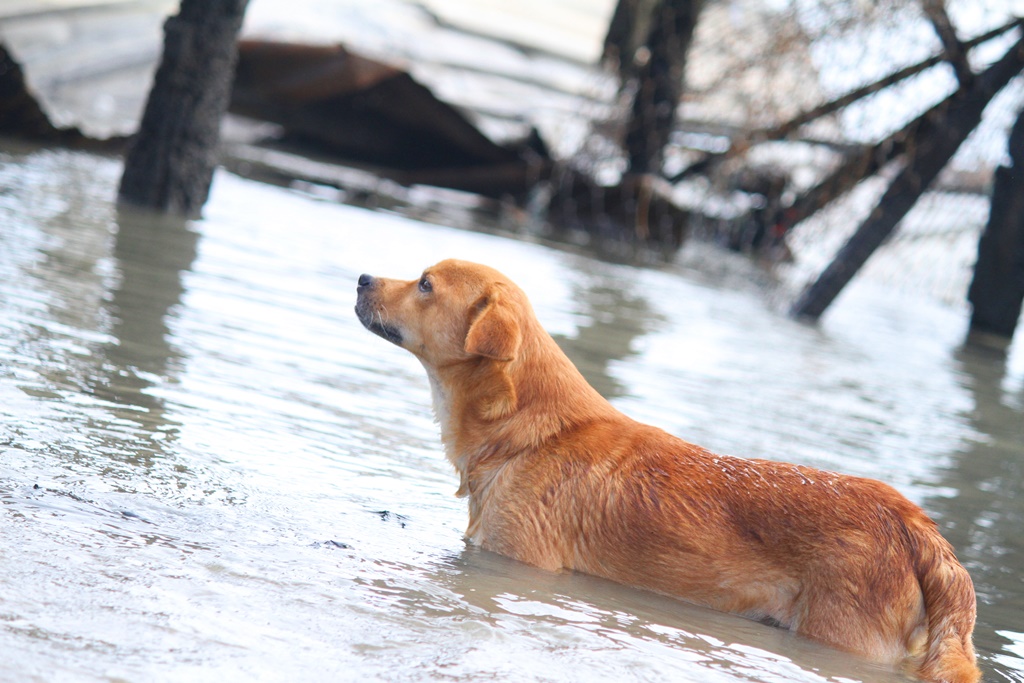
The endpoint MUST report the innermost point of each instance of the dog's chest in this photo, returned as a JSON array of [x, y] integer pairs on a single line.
[[439, 401]]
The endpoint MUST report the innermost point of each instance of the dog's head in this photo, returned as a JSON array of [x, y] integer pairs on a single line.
[[456, 311]]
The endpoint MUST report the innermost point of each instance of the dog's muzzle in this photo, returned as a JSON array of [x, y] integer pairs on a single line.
[[372, 316]]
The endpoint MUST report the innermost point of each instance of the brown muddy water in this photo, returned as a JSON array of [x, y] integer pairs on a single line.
[[209, 471]]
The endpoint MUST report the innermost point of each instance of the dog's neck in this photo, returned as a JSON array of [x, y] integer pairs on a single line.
[[491, 411]]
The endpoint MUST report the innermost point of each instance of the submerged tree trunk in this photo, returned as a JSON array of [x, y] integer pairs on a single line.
[[170, 165], [659, 73], [997, 291]]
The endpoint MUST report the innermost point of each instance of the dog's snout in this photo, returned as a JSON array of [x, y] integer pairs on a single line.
[[371, 313]]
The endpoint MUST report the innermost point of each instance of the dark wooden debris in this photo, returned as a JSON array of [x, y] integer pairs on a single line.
[[362, 110], [936, 137], [866, 161], [371, 113], [22, 116], [788, 128], [638, 210]]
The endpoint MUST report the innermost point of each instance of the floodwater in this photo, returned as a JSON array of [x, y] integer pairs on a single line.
[[209, 471]]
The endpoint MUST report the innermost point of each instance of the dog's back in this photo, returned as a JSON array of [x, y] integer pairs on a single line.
[[843, 560]]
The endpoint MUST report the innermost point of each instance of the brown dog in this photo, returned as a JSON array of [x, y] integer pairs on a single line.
[[557, 477]]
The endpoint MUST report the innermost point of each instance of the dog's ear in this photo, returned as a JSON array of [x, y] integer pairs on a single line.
[[494, 331]]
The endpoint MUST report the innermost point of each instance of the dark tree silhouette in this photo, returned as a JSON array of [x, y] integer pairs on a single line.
[[937, 136], [170, 165], [650, 42], [997, 290]]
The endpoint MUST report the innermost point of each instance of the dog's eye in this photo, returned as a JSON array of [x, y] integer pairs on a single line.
[[425, 285]]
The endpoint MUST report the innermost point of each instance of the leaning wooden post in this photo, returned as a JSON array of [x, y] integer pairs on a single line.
[[932, 148], [170, 165], [997, 290]]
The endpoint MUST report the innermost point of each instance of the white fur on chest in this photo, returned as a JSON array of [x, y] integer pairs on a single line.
[[440, 404]]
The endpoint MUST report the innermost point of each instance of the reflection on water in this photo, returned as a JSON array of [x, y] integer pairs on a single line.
[[150, 254], [612, 315], [987, 514], [149, 257], [208, 468]]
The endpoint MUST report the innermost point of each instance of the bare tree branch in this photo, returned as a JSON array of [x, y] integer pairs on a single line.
[[786, 129], [953, 50], [935, 138]]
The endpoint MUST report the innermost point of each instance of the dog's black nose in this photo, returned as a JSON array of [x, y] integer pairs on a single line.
[[365, 280]]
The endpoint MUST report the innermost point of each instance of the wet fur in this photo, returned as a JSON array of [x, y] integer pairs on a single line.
[[558, 478]]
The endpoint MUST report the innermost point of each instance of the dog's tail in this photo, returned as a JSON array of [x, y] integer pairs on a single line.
[[950, 606]]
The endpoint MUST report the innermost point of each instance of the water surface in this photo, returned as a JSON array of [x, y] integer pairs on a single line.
[[210, 471]]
